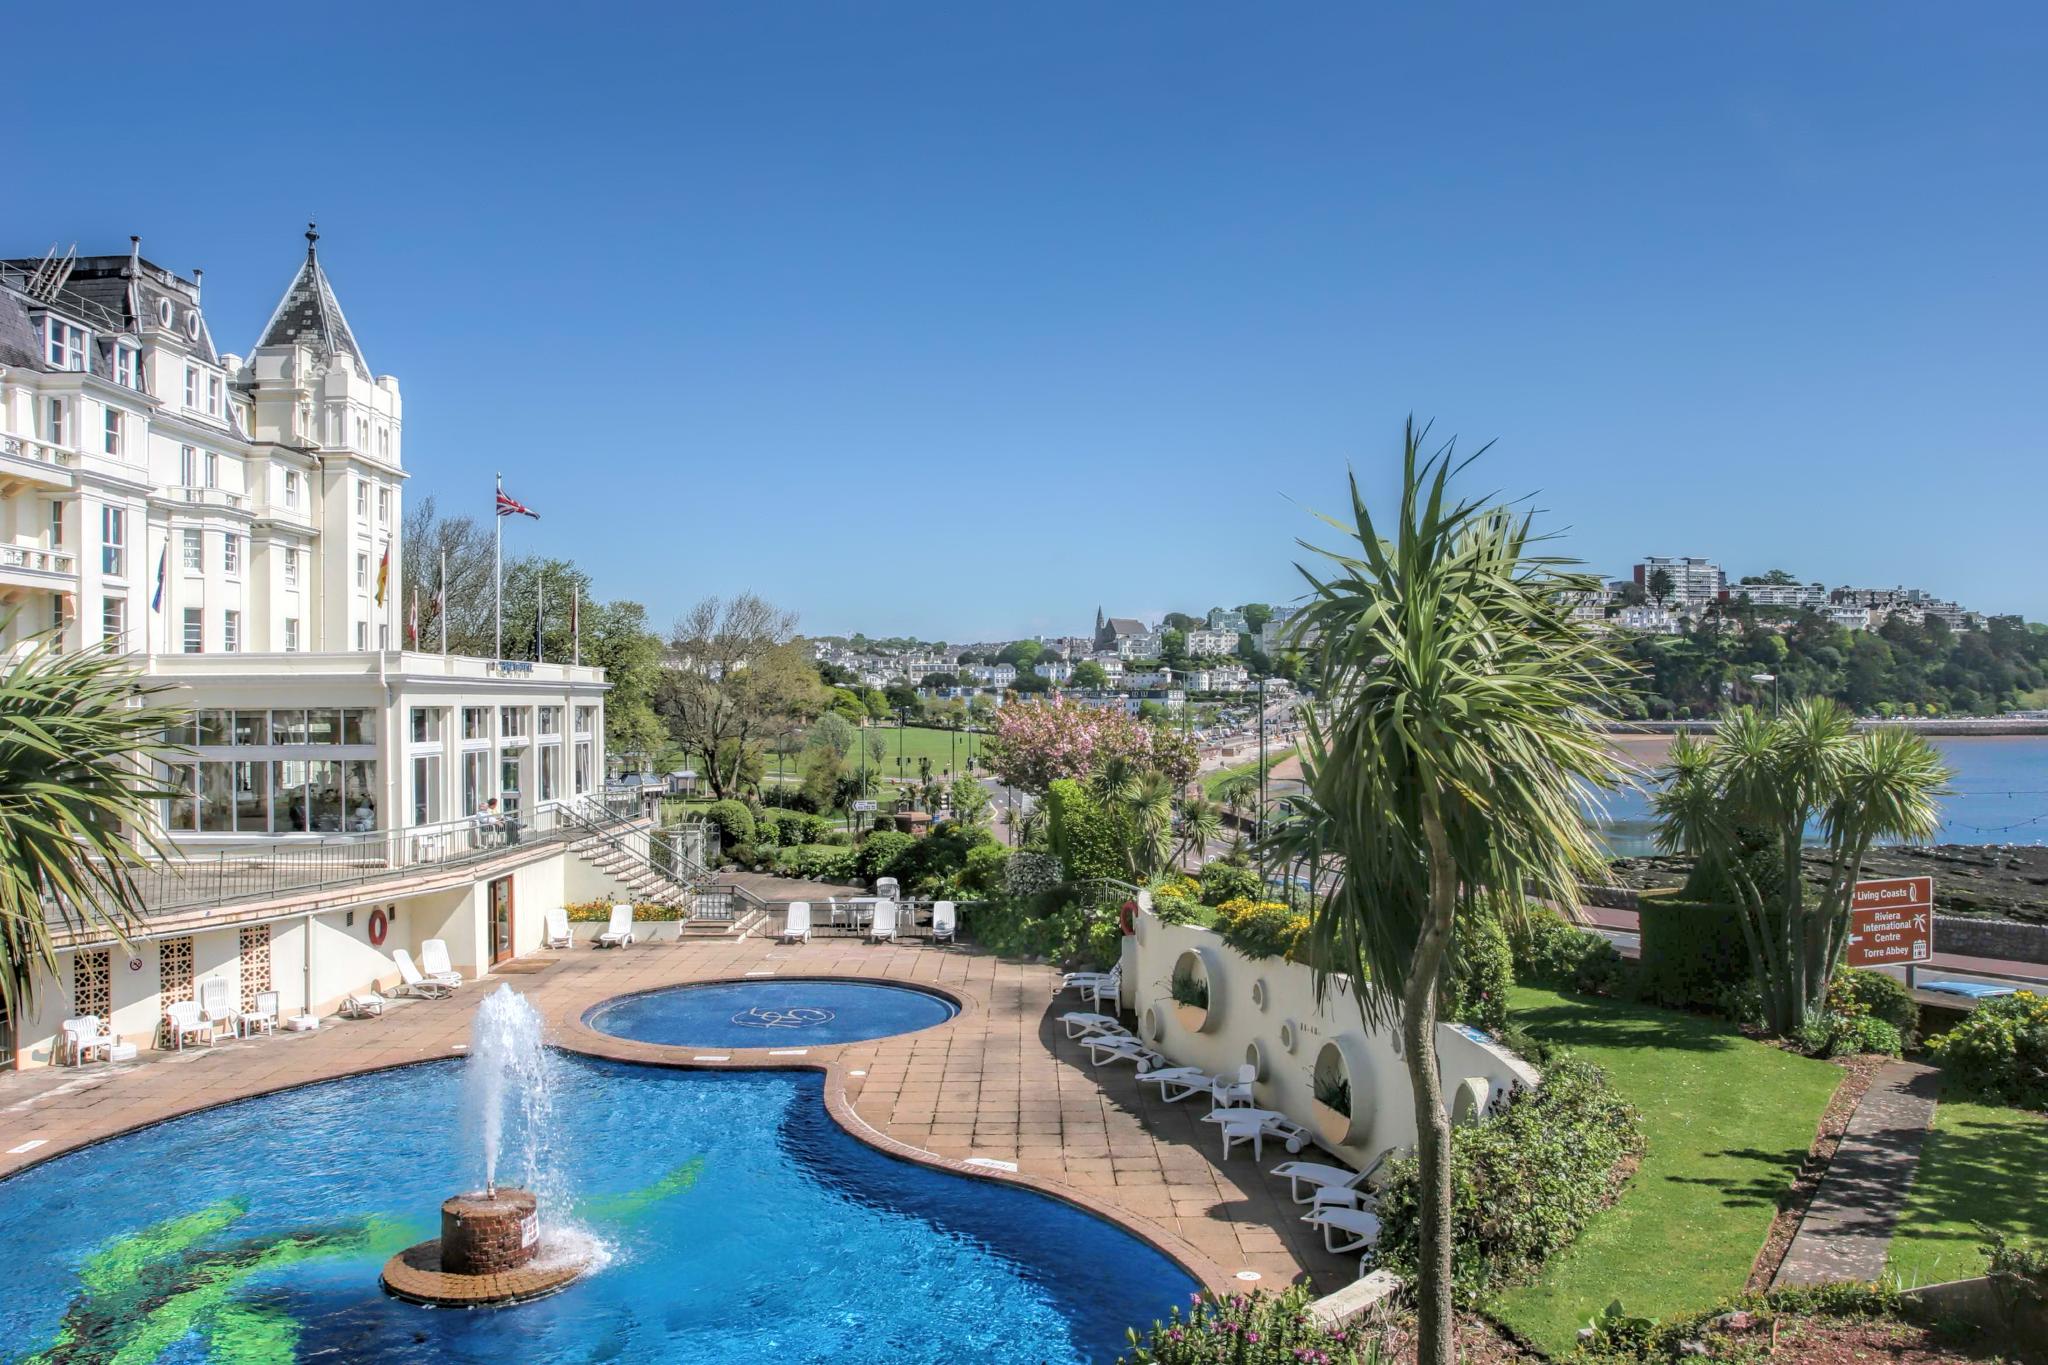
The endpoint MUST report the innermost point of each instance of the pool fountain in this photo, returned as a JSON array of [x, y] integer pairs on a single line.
[[493, 1248]]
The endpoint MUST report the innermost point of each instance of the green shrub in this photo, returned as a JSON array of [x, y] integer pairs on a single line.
[[1857, 992], [1528, 1046], [1086, 839], [2000, 1052], [877, 854], [1055, 924], [1524, 1183], [1829, 1034], [1548, 950], [1691, 951], [1482, 973], [1261, 929], [986, 870], [1223, 880], [1030, 874], [735, 822], [1250, 1329], [932, 864], [743, 855], [1604, 971]]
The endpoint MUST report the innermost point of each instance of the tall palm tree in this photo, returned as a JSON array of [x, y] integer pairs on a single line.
[[77, 805], [1761, 784], [1200, 822], [1442, 771]]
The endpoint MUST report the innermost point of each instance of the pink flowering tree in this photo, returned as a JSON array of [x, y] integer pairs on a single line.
[[1035, 746]]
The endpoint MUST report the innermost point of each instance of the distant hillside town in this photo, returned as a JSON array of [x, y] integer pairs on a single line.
[[1668, 595]]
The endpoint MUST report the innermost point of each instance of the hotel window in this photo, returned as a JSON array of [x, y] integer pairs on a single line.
[[231, 632], [362, 571], [362, 499], [56, 611], [113, 433], [511, 722], [476, 780], [56, 525], [213, 394], [113, 540], [585, 717], [54, 426], [128, 367], [291, 566], [551, 720], [383, 506], [426, 788], [550, 770], [231, 553], [426, 724], [67, 345], [212, 470], [323, 796], [194, 554], [191, 387], [291, 488], [113, 620], [582, 766], [476, 722], [291, 634], [188, 467], [250, 727], [362, 635], [195, 630]]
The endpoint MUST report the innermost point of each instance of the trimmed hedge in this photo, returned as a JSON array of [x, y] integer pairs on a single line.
[[1693, 951], [1523, 1184], [1086, 839], [735, 822]]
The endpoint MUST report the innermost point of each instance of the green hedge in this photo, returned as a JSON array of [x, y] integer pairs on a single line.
[[1086, 839], [2000, 1052], [1482, 973], [1550, 951], [735, 822], [877, 854], [1693, 951]]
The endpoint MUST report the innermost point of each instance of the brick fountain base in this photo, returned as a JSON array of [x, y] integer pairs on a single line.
[[484, 1255]]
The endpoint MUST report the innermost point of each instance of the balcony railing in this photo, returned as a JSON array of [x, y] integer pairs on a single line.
[[215, 497], [38, 452], [231, 876], [38, 561]]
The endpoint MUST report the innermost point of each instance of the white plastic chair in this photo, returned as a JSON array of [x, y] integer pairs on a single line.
[[182, 1022], [797, 928], [435, 966], [1226, 1094], [215, 1011], [1360, 1225], [262, 1019], [884, 927], [943, 922], [618, 932], [556, 931], [364, 1004], [81, 1037]]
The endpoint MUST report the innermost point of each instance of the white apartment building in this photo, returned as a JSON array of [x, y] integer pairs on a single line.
[[1694, 582], [1779, 594], [1282, 633], [1232, 621], [227, 521], [1211, 644]]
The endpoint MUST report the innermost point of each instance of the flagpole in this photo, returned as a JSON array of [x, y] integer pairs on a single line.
[[576, 625], [441, 604], [540, 612], [498, 578]]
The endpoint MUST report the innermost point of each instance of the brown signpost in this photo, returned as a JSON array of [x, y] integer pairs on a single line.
[[1891, 922]]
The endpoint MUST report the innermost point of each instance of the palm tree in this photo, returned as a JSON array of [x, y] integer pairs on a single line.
[[75, 802], [1239, 793], [1742, 804], [1442, 772], [1200, 821]]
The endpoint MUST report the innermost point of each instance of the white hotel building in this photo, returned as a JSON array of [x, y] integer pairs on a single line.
[[261, 495]]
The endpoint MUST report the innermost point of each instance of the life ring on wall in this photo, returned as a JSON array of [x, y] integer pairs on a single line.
[[379, 926], [1127, 917]]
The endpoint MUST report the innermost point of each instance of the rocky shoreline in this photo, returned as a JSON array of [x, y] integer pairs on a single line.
[[1995, 881]]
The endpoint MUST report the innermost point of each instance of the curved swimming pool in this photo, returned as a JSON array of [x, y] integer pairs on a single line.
[[772, 1012], [744, 1225]]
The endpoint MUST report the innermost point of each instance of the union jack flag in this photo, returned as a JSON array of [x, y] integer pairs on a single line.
[[509, 506]]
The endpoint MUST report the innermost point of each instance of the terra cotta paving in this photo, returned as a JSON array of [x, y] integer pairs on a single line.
[[998, 1082]]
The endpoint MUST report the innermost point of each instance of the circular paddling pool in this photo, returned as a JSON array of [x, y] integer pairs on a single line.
[[779, 1013]]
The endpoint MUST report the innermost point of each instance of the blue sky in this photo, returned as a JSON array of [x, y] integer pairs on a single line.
[[958, 320]]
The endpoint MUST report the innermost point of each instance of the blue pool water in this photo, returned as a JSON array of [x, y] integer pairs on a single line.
[[779, 1012], [746, 1226]]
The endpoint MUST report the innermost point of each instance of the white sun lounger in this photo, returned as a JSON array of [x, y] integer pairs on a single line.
[[944, 921], [884, 927], [1081, 1022], [1083, 980], [1176, 1083], [1255, 1126], [435, 966], [1319, 1176], [556, 932], [363, 1005], [1361, 1225], [796, 928], [1104, 1048], [411, 981], [618, 930]]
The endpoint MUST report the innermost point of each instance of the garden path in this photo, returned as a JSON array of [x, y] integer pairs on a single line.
[[1848, 1227]]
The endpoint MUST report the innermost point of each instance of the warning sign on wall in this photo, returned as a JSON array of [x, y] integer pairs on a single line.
[[1891, 922]]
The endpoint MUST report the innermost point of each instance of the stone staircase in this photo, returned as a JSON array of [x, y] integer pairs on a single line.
[[634, 874]]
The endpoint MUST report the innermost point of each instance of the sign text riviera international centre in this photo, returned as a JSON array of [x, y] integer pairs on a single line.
[[1891, 922]]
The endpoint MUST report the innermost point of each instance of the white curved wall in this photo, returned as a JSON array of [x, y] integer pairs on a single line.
[[1236, 1023]]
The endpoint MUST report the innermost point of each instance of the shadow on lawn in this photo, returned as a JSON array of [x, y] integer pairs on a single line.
[[1984, 1172], [1592, 1022], [1768, 1184]]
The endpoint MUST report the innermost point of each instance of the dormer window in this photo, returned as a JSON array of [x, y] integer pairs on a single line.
[[191, 386], [66, 344], [213, 394], [128, 367]]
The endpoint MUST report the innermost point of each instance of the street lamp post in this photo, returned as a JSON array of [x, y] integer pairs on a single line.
[[1772, 679]]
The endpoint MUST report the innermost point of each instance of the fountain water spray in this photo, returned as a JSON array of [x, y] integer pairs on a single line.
[[508, 1083]]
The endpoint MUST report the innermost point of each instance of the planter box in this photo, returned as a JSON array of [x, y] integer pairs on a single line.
[[1193, 1018]]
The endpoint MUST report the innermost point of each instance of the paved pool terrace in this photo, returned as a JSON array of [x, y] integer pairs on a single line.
[[997, 1083]]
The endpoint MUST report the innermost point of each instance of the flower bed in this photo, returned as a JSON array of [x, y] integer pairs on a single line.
[[600, 912]]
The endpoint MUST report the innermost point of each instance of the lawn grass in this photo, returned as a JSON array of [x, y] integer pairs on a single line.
[[945, 748], [1211, 781], [1983, 1163], [1726, 1123]]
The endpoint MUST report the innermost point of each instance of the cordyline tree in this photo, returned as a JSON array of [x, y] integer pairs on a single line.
[[78, 734], [1441, 771], [1741, 805]]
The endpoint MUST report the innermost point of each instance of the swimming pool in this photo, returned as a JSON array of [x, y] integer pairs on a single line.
[[744, 1225], [773, 1013]]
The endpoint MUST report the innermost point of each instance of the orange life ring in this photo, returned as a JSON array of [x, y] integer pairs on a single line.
[[379, 926], [1128, 918]]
